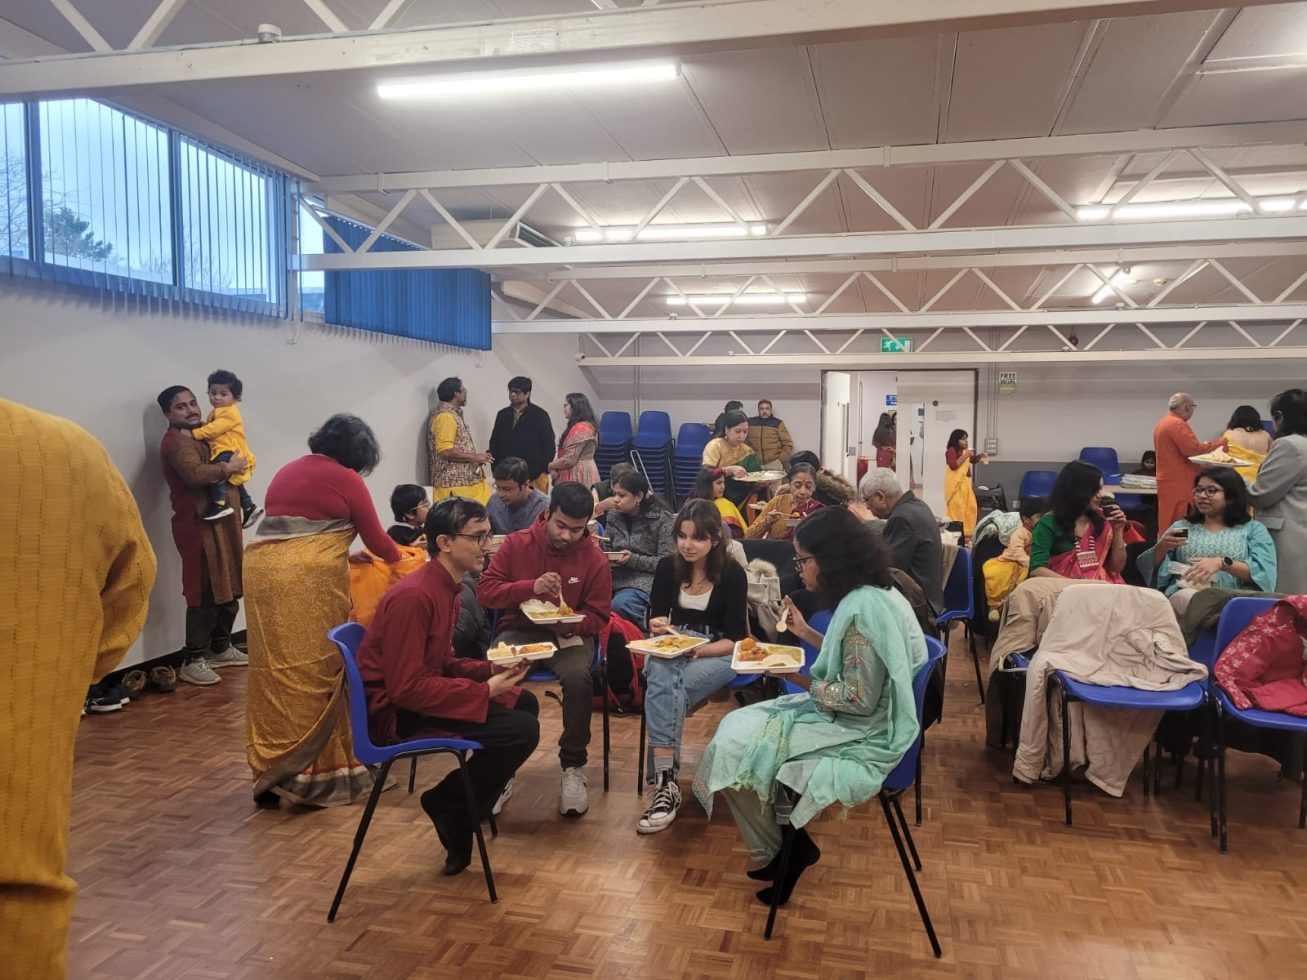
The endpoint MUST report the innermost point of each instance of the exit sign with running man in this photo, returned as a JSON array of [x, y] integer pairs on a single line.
[[896, 345]]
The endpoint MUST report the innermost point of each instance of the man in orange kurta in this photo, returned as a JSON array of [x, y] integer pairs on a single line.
[[1174, 442]]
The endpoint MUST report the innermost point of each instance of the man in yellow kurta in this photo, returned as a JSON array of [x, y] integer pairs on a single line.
[[455, 462], [75, 575]]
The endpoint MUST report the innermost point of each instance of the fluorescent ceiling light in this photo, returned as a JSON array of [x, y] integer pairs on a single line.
[[664, 233], [1119, 278], [1216, 208], [529, 80], [744, 299]]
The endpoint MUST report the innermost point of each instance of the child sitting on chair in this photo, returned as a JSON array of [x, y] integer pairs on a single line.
[[1004, 573], [224, 431]]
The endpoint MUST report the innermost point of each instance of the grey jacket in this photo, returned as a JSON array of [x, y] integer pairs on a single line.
[[913, 537], [1280, 499], [647, 536]]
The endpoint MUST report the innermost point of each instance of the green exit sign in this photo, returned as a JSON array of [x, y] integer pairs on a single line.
[[896, 345]]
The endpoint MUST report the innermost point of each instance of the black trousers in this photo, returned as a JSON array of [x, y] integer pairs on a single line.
[[509, 735], [208, 627], [218, 492]]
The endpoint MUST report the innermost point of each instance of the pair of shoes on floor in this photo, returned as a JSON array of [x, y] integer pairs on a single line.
[[136, 682], [453, 832], [198, 672], [664, 807], [163, 679], [250, 515], [573, 795]]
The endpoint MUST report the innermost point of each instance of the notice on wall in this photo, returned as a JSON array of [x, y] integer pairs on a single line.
[[946, 415], [891, 401], [1007, 383]]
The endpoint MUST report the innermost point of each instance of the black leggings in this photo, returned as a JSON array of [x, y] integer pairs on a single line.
[[218, 491]]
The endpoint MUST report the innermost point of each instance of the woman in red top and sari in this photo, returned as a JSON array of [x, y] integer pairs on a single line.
[[1081, 537], [959, 495], [297, 732], [576, 446]]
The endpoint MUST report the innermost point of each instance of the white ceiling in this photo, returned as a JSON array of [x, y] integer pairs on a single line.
[[1181, 69]]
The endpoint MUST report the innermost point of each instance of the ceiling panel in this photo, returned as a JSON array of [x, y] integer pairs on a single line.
[[877, 93], [1249, 96], [759, 101], [657, 123], [1275, 31], [1134, 65], [1007, 83]]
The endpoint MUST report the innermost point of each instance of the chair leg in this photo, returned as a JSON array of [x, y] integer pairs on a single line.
[[603, 686], [907, 834], [476, 825], [787, 849], [1179, 769], [912, 879], [1148, 771], [359, 834], [1066, 753], [1220, 778], [494, 827], [639, 769], [1157, 768], [916, 784], [975, 660], [1302, 806], [412, 775]]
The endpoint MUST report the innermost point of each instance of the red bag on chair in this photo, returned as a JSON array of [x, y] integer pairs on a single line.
[[625, 668]]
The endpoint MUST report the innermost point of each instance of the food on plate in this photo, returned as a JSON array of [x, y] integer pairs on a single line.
[[539, 609], [501, 651], [751, 651], [530, 648], [1219, 456], [564, 609], [777, 660], [667, 644]]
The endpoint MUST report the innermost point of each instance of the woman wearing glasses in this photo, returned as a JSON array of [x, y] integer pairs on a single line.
[[837, 741], [697, 590], [1216, 543]]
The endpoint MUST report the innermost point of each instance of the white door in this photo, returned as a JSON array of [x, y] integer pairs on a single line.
[[946, 400], [839, 441]]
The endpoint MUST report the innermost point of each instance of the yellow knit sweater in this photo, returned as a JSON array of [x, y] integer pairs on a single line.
[[75, 575]]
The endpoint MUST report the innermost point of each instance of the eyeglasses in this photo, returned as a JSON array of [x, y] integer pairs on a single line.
[[480, 538], [800, 562], [1207, 491]]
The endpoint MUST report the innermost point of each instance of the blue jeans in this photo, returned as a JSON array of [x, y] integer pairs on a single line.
[[672, 688], [632, 605]]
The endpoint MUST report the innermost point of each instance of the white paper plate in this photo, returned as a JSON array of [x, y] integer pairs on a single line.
[[539, 611], [518, 657], [793, 665], [648, 649]]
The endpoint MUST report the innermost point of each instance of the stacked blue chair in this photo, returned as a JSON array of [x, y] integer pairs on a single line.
[[687, 457], [651, 450], [1037, 483], [614, 441], [1105, 459]]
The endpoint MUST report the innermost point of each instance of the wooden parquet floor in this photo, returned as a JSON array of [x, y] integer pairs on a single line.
[[182, 876]]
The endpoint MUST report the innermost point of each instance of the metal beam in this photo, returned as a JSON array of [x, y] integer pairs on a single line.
[[961, 358], [670, 29], [922, 155], [910, 321], [837, 246], [996, 260]]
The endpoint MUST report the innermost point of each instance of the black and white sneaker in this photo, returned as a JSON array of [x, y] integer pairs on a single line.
[[251, 516], [218, 513], [101, 701], [662, 811]]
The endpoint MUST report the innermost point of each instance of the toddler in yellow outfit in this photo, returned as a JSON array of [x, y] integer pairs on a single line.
[[224, 431]]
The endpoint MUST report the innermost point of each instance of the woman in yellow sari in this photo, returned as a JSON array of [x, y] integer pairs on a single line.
[[297, 734], [710, 484], [1247, 441], [959, 495]]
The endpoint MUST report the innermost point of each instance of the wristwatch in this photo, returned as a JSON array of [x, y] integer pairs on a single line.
[[1227, 561]]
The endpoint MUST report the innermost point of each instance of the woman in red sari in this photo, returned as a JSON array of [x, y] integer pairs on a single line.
[[1082, 536], [576, 447]]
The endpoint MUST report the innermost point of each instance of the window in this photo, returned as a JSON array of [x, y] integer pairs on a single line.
[[230, 229], [313, 283], [13, 181], [105, 190]]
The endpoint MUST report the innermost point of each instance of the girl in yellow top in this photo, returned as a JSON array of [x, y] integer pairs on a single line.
[[710, 484], [959, 496], [224, 431]]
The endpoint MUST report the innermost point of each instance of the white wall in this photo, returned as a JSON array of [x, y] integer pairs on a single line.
[[101, 364]]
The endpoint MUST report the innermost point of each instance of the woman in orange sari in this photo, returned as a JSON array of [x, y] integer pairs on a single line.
[[297, 732], [959, 495], [576, 446]]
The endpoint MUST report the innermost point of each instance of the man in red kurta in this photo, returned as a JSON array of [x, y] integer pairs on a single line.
[[416, 687], [1174, 442], [211, 551]]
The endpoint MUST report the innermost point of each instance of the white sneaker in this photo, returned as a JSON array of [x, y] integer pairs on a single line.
[[662, 811], [573, 798], [504, 797], [231, 657], [198, 672]]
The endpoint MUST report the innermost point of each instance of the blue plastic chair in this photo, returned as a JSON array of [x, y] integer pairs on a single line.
[[1192, 695], [1104, 457], [615, 428], [1269, 426], [819, 621], [347, 639], [654, 431], [896, 783], [960, 604], [1037, 483], [1126, 501], [691, 440], [1234, 618]]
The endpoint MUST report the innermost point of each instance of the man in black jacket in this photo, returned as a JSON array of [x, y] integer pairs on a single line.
[[524, 430], [911, 531]]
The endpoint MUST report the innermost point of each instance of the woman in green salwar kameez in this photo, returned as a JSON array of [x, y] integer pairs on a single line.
[[836, 742]]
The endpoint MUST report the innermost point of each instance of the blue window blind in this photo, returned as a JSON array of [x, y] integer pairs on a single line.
[[444, 306], [13, 180]]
